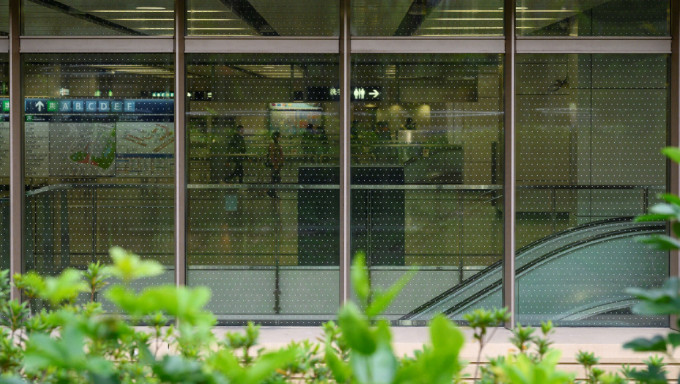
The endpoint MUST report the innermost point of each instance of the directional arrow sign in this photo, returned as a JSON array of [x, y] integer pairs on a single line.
[[374, 93], [40, 106]]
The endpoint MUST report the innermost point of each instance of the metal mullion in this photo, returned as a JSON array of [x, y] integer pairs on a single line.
[[345, 154], [180, 147], [674, 136], [98, 44], [509, 165], [16, 144]]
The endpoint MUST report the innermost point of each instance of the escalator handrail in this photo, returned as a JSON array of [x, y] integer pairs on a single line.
[[525, 249]]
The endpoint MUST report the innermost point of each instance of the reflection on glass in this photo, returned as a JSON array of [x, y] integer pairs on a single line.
[[427, 18], [4, 17], [593, 18], [262, 18], [99, 159], [589, 132], [426, 135], [263, 225], [97, 17], [4, 162]]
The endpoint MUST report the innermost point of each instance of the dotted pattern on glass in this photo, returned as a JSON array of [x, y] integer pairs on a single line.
[[99, 159], [262, 17], [4, 161], [4, 17], [593, 18], [98, 18], [263, 224], [427, 18], [588, 135], [426, 139]]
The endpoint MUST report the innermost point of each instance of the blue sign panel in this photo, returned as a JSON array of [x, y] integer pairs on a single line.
[[78, 105], [36, 105], [91, 106], [65, 106]]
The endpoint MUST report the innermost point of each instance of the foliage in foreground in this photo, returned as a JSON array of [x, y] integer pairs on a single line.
[[61, 334]]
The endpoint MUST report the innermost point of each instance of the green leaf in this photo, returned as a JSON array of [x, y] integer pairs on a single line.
[[127, 266], [641, 344], [382, 300], [360, 280], [355, 329], [340, 370], [670, 198], [674, 339], [672, 153], [65, 287], [268, 363], [661, 242]]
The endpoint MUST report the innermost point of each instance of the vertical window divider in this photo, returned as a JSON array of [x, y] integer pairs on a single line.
[[345, 155], [674, 136], [509, 161], [180, 146], [16, 140]]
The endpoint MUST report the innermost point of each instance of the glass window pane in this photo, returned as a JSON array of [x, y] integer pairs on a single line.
[[99, 159], [4, 17], [426, 137], [98, 18], [262, 18], [4, 161], [263, 225], [427, 18], [593, 18], [589, 133]]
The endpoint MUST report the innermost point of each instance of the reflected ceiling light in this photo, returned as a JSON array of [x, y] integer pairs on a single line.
[[150, 8], [142, 19], [192, 19], [131, 11], [472, 10], [157, 29], [206, 11], [468, 18], [217, 29], [463, 28]]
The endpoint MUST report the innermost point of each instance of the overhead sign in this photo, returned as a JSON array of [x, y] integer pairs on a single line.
[[70, 106], [363, 93]]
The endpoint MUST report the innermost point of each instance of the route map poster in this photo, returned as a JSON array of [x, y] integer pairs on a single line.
[[145, 149], [82, 149]]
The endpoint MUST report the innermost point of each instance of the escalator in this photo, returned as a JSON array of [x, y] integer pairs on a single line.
[[542, 264]]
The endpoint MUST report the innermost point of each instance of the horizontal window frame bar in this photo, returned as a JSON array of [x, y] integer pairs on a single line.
[[291, 45], [428, 45], [594, 45], [4, 44], [98, 44]]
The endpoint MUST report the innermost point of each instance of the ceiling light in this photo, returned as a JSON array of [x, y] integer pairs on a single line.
[[150, 8], [468, 18]]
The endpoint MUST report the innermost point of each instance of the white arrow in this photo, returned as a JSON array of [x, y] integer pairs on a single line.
[[374, 93], [40, 106]]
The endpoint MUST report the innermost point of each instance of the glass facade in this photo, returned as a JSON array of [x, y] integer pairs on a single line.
[[426, 139], [593, 18], [98, 18], [99, 158], [263, 184], [422, 138], [589, 129], [262, 18]]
